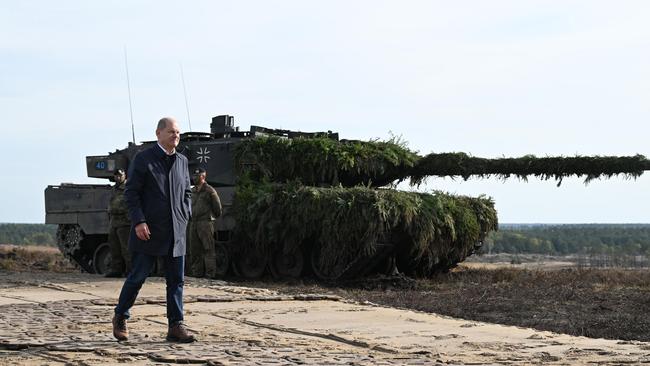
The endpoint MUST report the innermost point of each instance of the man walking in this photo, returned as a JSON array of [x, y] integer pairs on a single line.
[[158, 195], [118, 234], [206, 207]]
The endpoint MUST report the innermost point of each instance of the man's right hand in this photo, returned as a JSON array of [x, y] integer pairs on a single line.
[[142, 231]]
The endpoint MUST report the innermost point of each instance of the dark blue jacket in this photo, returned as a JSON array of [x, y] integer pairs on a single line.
[[159, 198]]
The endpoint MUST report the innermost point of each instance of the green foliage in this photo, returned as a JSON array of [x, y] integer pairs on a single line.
[[28, 234], [591, 167], [348, 219], [316, 161], [347, 223], [610, 239]]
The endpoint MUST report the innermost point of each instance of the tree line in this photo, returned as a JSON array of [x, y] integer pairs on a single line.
[[28, 234], [592, 239]]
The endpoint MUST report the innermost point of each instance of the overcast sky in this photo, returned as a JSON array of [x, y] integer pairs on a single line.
[[490, 78]]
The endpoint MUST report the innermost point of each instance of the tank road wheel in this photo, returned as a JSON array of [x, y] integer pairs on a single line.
[[250, 265], [326, 272], [102, 259], [287, 265], [223, 259]]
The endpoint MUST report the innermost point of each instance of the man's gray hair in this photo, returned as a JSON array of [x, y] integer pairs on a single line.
[[163, 122]]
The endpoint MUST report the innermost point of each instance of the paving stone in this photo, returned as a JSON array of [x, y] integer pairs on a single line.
[[77, 331]]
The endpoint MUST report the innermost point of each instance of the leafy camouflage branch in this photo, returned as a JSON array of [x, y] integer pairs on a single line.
[[319, 161], [590, 167], [431, 231]]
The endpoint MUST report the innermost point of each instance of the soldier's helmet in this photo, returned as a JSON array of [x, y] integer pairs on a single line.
[[119, 172], [198, 171]]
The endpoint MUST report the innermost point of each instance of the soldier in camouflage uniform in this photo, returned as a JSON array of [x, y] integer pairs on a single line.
[[120, 226], [206, 207]]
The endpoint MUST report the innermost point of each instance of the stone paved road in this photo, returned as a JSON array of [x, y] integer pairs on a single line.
[[65, 319]]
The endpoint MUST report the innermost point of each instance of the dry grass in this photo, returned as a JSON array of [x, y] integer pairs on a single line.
[[595, 303], [33, 258]]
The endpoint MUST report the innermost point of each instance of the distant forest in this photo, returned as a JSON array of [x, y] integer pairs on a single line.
[[593, 239], [28, 234], [598, 239]]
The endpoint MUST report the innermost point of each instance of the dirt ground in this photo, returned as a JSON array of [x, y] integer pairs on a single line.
[[50, 314], [33, 258], [64, 318], [596, 303]]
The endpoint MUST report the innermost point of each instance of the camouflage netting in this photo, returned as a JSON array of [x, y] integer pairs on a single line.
[[324, 161], [431, 231], [316, 161], [345, 221], [591, 167]]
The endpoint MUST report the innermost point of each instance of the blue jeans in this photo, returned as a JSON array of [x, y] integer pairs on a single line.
[[142, 265]]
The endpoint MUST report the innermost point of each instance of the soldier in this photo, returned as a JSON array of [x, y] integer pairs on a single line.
[[120, 225], [206, 207]]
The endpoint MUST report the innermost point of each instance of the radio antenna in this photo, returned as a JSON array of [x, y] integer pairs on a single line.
[[128, 86], [187, 106]]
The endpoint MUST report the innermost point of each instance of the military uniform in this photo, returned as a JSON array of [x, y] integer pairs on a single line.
[[206, 207], [118, 234]]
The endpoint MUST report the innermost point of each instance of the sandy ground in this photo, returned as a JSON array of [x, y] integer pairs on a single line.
[[48, 318]]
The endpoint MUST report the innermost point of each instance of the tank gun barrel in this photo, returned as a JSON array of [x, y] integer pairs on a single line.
[[325, 161], [555, 167]]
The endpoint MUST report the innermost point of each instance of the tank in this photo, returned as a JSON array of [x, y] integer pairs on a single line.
[[80, 210], [311, 204]]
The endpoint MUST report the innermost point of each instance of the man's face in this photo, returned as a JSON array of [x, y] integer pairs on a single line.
[[119, 178], [169, 136], [199, 178]]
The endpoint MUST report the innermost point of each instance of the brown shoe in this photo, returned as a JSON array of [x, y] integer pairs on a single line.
[[178, 333], [119, 328]]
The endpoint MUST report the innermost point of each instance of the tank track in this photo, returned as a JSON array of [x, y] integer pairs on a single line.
[[68, 239]]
